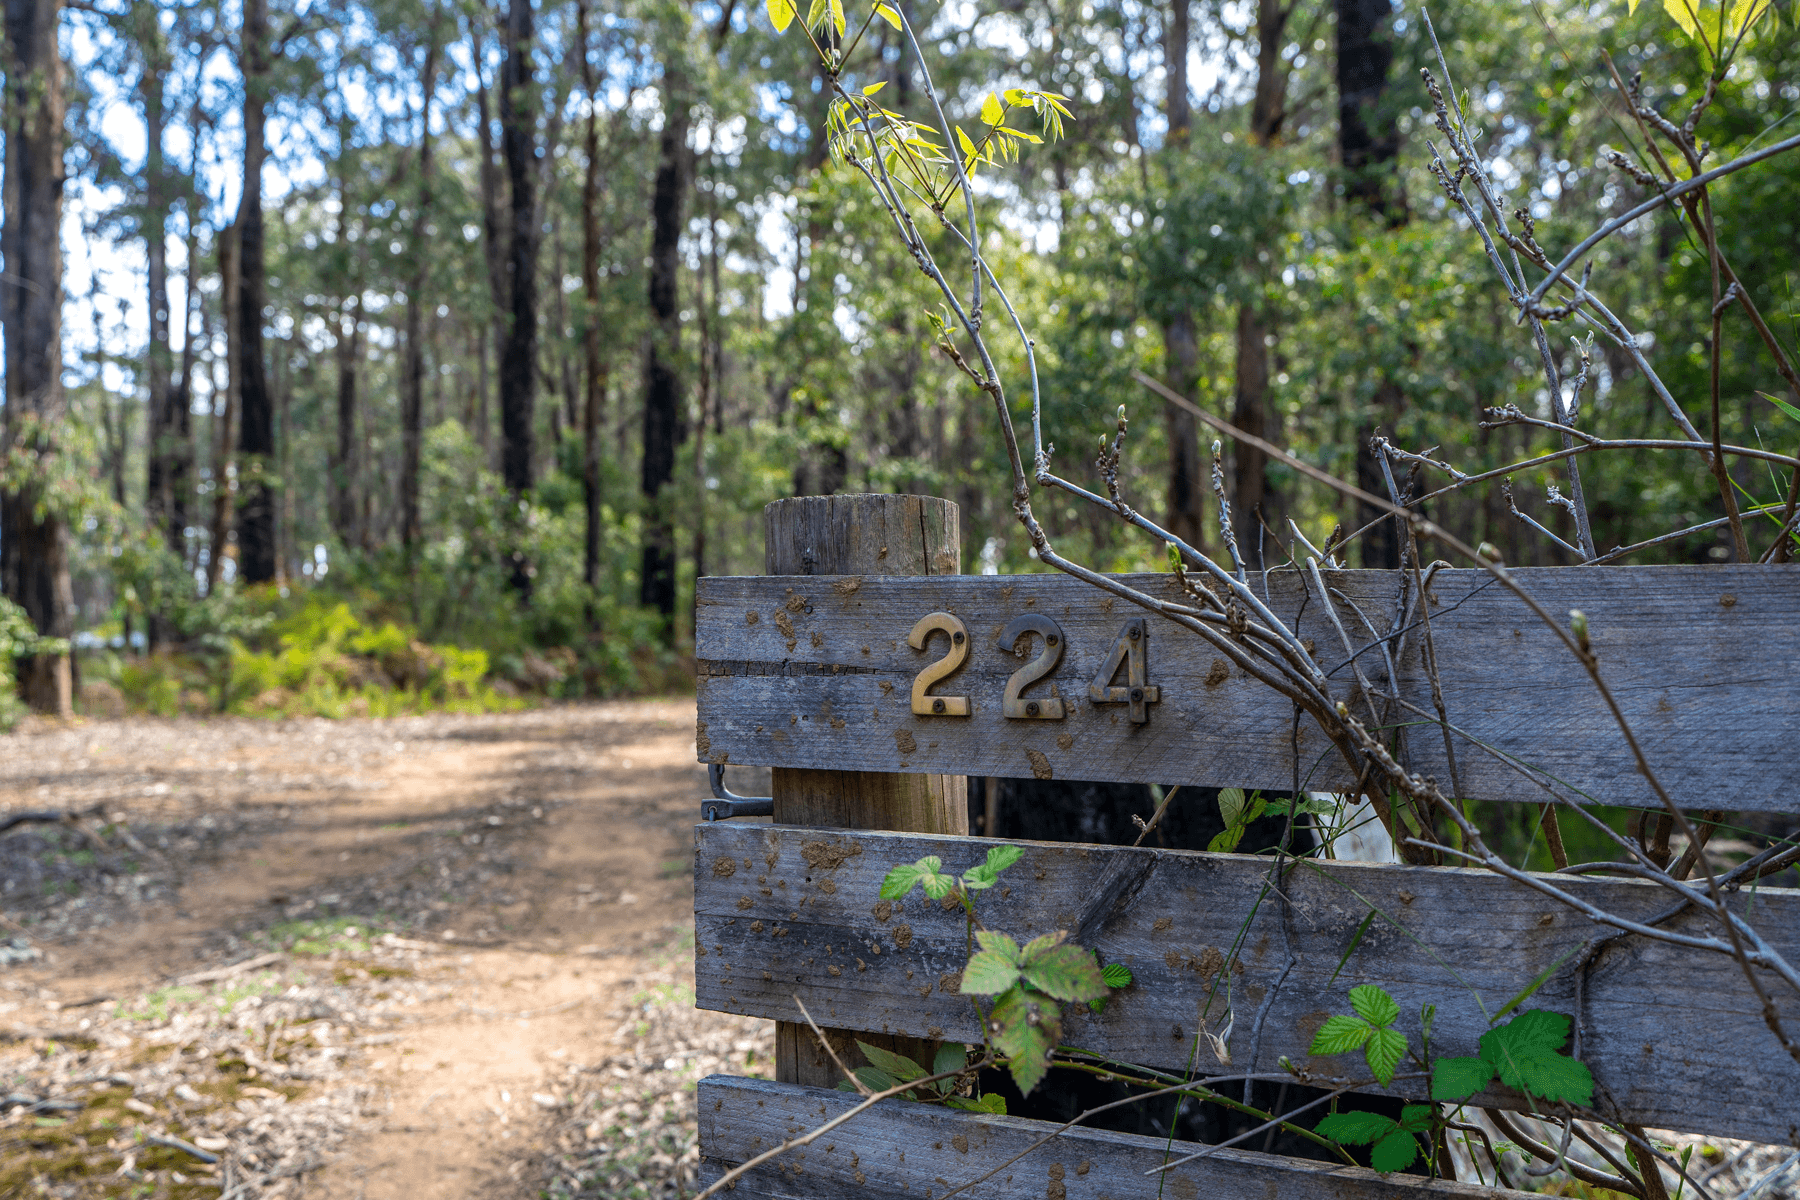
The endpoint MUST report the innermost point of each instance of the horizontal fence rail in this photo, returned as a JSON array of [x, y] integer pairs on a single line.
[[1673, 1035], [900, 1148], [818, 672]]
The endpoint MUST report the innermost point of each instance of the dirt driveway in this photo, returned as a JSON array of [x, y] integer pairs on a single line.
[[437, 956]]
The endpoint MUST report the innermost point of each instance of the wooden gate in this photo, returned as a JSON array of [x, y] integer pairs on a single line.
[[824, 671]]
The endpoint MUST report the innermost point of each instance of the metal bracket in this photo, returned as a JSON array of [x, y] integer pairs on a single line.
[[724, 805]]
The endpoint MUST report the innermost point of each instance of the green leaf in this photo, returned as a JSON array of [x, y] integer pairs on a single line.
[[1042, 945], [988, 974], [781, 14], [1385, 1050], [992, 111], [1231, 806], [1558, 1077], [937, 886], [1317, 808], [979, 879], [899, 881], [1066, 973], [1417, 1118], [1374, 1005], [1026, 1027], [1226, 842], [1356, 941], [1001, 857], [1395, 1152], [902, 1068], [993, 1102], [837, 16], [962, 139], [874, 87], [1682, 12], [815, 14], [1016, 97], [888, 14], [951, 1056], [1340, 1035], [1783, 405], [999, 944], [1355, 1128], [1459, 1078], [1525, 1052], [875, 1079], [1116, 975]]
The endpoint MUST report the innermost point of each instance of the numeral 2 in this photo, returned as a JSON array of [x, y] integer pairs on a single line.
[[952, 627], [1051, 707], [1131, 651]]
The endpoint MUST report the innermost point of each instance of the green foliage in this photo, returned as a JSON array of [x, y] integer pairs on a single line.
[[1526, 1054], [18, 637], [1369, 1031], [1395, 1143], [1237, 812]]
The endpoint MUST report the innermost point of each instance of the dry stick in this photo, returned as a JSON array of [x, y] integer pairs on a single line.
[[1575, 1168], [1157, 815], [862, 1089], [812, 1134]]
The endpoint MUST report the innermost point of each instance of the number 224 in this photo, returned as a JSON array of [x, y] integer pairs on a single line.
[[1130, 650]]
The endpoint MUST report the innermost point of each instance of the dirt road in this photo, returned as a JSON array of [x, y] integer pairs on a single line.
[[437, 956]]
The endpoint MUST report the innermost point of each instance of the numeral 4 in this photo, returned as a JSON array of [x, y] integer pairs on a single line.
[[1130, 650]]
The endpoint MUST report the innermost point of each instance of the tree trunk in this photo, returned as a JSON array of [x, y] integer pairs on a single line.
[[347, 461], [518, 357], [595, 369], [164, 440], [662, 378], [224, 416], [256, 412], [1186, 516], [1255, 325], [412, 375], [1367, 147], [34, 548]]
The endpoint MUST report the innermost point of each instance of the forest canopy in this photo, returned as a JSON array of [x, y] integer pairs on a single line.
[[363, 356]]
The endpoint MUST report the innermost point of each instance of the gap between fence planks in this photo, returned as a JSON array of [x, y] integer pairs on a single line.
[[1702, 660], [902, 1148], [1673, 1035]]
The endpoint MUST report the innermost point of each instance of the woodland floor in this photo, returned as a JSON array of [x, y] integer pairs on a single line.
[[436, 956]]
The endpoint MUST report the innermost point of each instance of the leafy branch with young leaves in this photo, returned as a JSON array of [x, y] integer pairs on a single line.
[[1026, 986]]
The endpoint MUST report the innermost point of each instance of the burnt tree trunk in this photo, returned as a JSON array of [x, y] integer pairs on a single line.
[[1368, 141], [1186, 506], [662, 375], [347, 459], [166, 444], [224, 414], [256, 410], [412, 374], [594, 363], [1255, 325], [518, 355], [34, 547]]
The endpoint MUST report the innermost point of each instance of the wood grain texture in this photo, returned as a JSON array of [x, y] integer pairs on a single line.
[[874, 535], [1705, 662], [1673, 1036], [920, 1151]]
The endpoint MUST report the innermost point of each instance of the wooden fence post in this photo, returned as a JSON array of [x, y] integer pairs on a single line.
[[852, 536]]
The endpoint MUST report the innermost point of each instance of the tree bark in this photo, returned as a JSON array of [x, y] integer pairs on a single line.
[[256, 411], [347, 460], [594, 374], [165, 438], [224, 416], [1186, 515], [1255, 326], [1368, 144], [518, 355], [412, 375], [663, 431], [34, 548]]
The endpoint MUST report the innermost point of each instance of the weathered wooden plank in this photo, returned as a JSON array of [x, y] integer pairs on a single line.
[[920, 1151], [1673, 1035], [1705, 662]]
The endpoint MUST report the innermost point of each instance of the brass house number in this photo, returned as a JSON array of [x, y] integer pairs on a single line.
[[1130, 652]]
